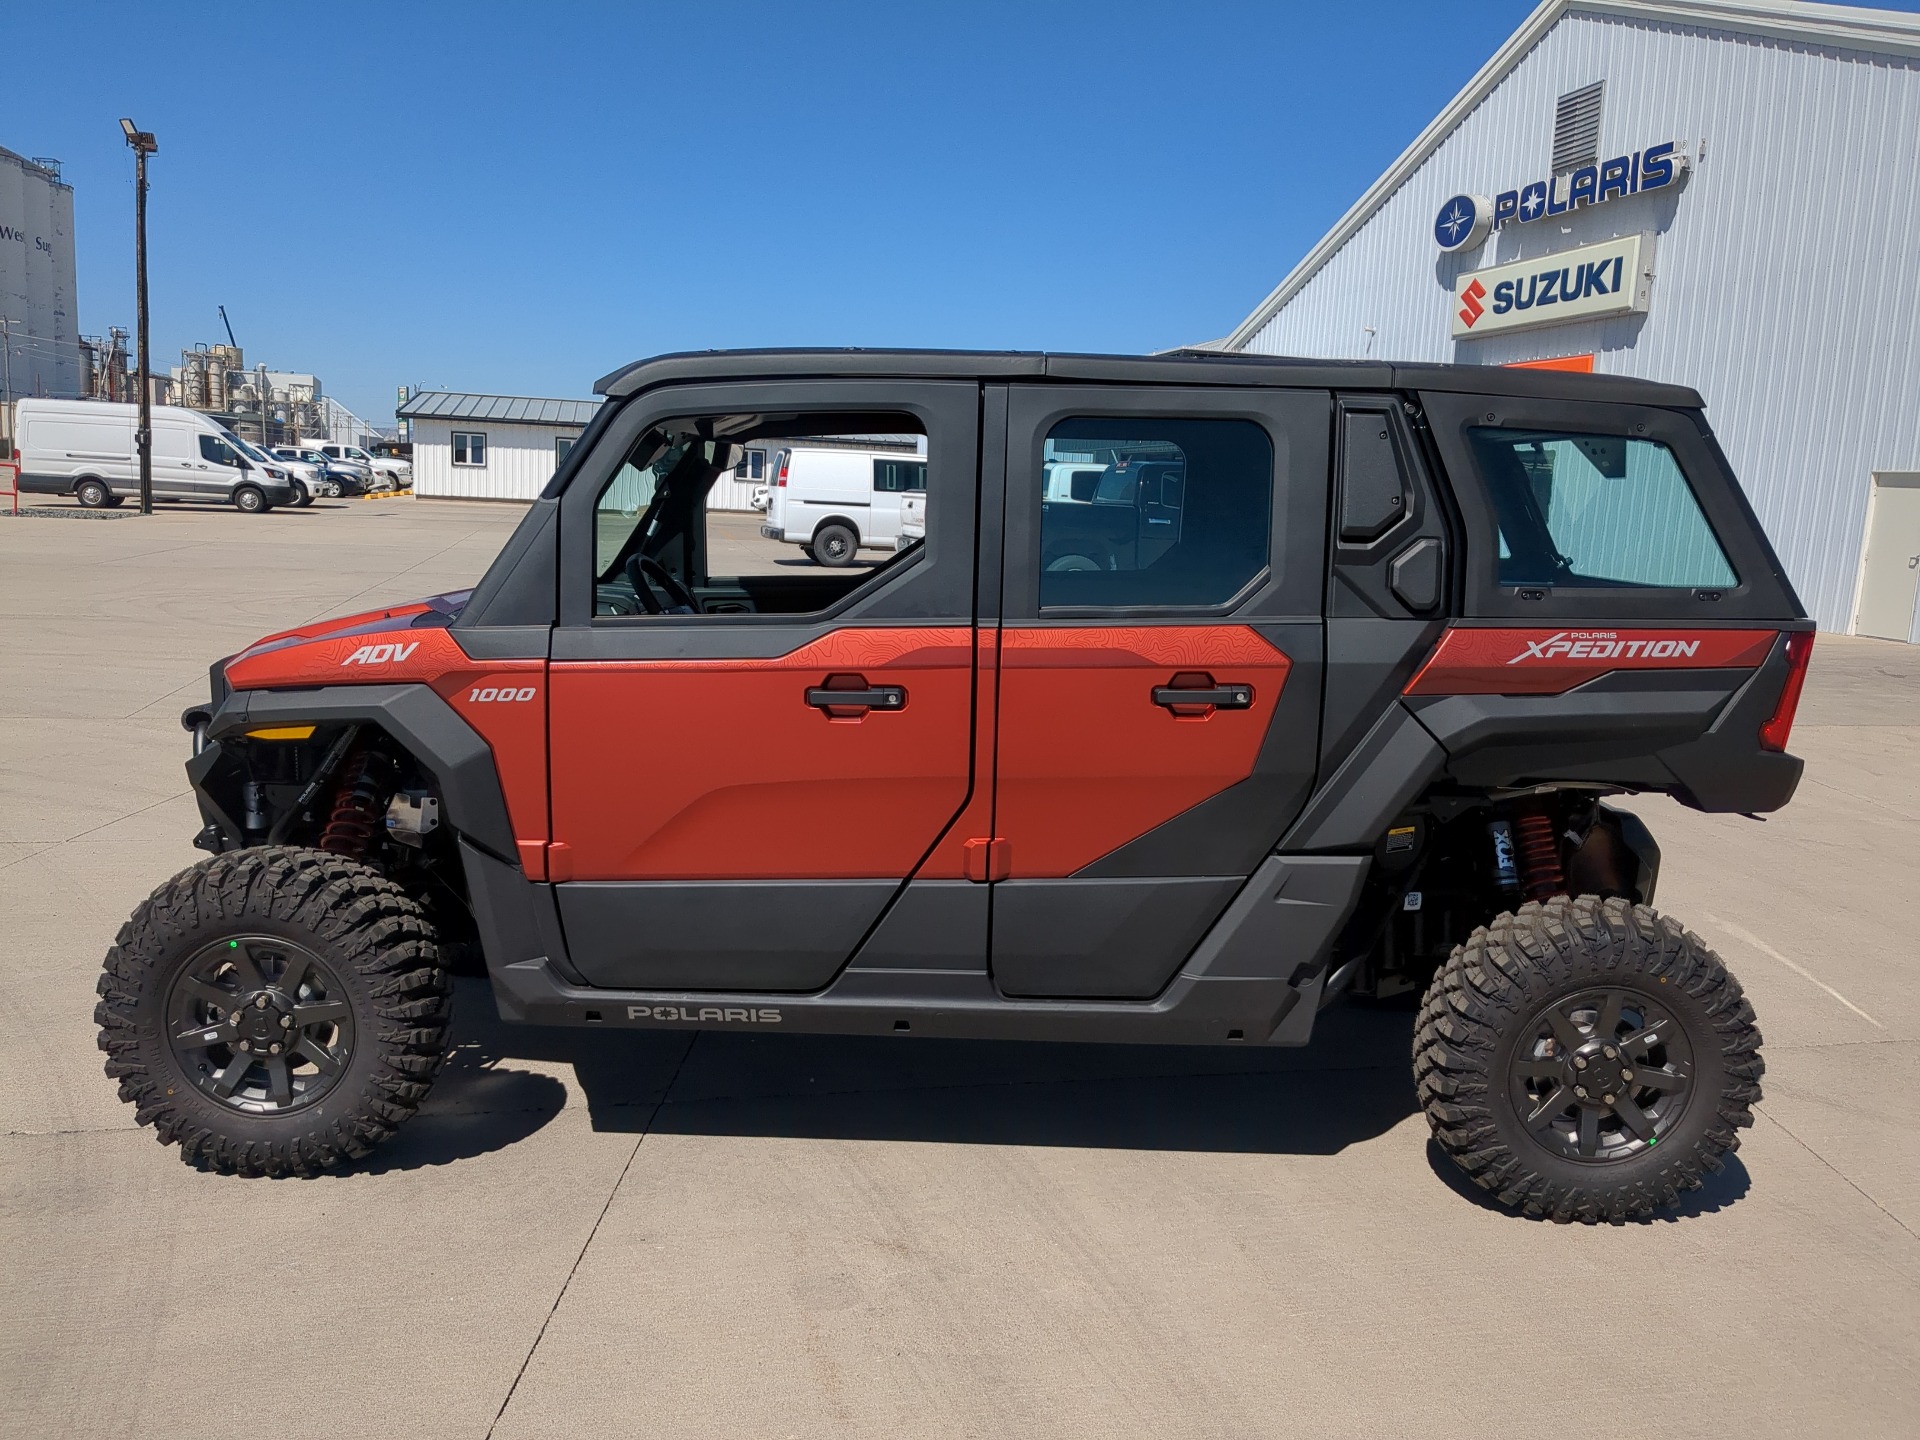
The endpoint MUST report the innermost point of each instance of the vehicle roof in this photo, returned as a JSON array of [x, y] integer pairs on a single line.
[[1180, 367]]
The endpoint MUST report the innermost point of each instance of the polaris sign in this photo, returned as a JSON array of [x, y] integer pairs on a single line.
[[1591, 282], [1466, 220]]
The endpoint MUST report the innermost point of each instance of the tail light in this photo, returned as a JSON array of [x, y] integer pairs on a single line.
[[781, 478], [1773, 734]]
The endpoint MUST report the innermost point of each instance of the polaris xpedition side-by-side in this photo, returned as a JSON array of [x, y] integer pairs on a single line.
[[1217, 688]]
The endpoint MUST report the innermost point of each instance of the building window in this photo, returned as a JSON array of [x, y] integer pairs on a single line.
[[751, 466], [561, 445], [469, 447]]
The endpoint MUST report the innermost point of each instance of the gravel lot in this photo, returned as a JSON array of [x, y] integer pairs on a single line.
[[680, 1235]]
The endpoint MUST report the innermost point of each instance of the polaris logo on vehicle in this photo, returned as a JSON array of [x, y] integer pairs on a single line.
[[705, 1015], [1604, 645], [381, 654]]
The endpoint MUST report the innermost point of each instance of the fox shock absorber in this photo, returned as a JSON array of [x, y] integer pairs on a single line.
[[1506, 871], [357, 807], [1541, 873]]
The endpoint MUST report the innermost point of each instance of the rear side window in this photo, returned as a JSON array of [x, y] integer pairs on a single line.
[[897, 476], [1153, 512], [1596, 511]]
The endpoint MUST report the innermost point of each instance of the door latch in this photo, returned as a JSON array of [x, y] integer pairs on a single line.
[[1197, 694], [851, 697]]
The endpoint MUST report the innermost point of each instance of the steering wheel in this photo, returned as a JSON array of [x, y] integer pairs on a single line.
[[648, 576]]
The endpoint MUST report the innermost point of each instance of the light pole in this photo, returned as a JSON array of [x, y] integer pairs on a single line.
[[143, 144]]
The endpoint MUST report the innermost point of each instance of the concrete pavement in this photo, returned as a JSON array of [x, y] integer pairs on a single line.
[[677, 1235]]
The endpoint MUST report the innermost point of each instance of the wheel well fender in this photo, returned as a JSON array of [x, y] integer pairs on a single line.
[[836, 520], [429, 729], [1386, 772]]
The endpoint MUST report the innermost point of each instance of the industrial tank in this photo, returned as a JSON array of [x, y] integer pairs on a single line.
[[37, 294]]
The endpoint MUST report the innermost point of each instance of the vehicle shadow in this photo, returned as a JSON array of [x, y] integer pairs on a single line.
[[1726, 1188], [1351, 1084]]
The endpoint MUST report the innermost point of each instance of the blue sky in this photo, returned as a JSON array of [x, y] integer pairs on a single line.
[[518, 199]]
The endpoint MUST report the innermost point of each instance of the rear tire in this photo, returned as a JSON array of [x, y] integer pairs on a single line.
[[251, 500], [92, 494], [274, 1011], [1601, 996], [835, 545]]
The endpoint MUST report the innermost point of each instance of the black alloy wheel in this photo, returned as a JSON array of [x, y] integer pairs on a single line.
[[261, 1024], [1605, 1074], [274, 1011], [1586, 1059]]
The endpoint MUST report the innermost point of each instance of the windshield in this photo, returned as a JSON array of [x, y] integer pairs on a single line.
[[252, 452]]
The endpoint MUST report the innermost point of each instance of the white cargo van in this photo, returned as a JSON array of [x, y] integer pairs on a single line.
[[833, 500], [85, 448]]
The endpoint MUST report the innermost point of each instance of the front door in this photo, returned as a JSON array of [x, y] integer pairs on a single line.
[[1159, 671], [752, 752]]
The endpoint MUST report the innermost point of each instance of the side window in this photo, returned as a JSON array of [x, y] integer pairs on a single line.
[[899, 476], [469, 447], [561, 445], [1594, 511], [675, 534], [1148, 512], [213, 448]]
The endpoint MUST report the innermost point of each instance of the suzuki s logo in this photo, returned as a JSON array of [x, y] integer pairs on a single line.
[[1604, 645], [1470, 307], [381, 654]]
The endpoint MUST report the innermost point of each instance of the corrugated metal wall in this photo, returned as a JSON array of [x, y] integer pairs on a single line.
[[520, 460], [1787, 267]]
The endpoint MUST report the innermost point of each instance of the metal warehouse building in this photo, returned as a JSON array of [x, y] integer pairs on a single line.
[[489, 447], [1719, 193], [505, 447]]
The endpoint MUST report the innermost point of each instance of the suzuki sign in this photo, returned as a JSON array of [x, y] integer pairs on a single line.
[[1590, 283]]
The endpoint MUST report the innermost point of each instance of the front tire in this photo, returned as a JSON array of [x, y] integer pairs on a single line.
[[1586, 1059], [250, 500], [274, 1011]]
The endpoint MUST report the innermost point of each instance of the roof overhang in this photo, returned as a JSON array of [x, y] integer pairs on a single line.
[[1842, 27]]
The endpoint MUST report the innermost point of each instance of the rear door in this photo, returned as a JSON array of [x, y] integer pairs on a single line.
[[1159, 672], [747, 766]]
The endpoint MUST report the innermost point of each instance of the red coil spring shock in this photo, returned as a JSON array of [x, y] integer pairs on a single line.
[[1539, 854], [356, 809]]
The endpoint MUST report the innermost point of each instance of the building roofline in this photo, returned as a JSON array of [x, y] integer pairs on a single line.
[[414, 407], [1844, 27]]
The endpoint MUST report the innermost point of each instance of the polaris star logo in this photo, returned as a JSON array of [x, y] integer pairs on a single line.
[[1470, 307], [381, 654], [1604, 645], [705, 1015]]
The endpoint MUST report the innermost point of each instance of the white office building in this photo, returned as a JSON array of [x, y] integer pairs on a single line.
[[1718, 193]]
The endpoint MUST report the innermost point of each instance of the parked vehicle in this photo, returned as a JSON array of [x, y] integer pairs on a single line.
[[344, 478], [913, 519], [309, 479], [760, 497], [85, 448], [831, 501], [391, 473], [1352, 732]]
